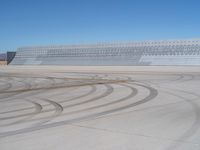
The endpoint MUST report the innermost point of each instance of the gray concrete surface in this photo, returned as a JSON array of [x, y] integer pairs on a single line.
[[101, 108]]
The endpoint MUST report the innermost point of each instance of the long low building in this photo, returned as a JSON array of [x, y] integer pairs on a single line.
[[166, 52]]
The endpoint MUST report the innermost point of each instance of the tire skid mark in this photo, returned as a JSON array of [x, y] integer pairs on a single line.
[[49, 88], [9, 85], [38, 109], [13, 93], [182, 78], [195, 125], [152, 94], [57, 108], [93, 89], [106, 93], [21, 95], [109, 90], [179, 79], [24, 82], [132, 94], [58, 87], [6, 86]]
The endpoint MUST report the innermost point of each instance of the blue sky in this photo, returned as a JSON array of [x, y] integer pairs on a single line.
[[49, 22]]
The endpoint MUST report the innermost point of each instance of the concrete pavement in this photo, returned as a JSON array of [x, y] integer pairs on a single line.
[[102, 108]]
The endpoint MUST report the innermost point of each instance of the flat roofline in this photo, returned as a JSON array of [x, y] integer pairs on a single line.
[[121, 44]]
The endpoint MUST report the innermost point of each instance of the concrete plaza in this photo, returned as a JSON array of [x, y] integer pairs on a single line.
[[99, 108]]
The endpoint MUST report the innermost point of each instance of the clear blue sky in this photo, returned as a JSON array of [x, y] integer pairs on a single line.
[[48, 22]]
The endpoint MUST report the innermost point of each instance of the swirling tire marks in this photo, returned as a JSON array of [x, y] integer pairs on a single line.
[[108, 91], [92, 90], [195, 125], [6, 86], [153, 93], [132, 94], [98, 95], [37, 108], [57, 111]]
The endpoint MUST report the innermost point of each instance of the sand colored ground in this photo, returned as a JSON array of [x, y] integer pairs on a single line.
[[99, 108], [3, 63]]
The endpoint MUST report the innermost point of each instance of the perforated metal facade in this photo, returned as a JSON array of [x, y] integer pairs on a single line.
[[129, 53]]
